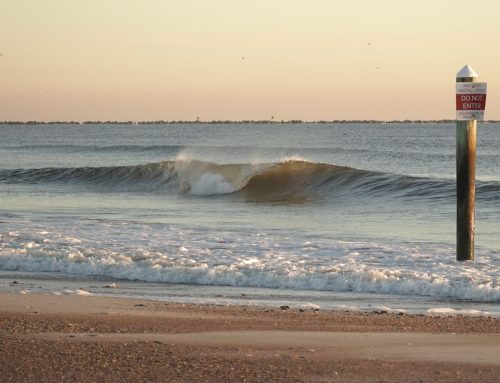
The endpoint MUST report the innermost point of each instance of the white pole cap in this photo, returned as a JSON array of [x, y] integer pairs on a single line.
[[467, 71]]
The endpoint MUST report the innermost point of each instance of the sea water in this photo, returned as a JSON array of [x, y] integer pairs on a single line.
[[339, 216]]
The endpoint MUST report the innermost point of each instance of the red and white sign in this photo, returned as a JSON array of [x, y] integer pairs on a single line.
[[471, 100]]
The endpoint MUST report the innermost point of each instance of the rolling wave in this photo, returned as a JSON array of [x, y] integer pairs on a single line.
[[295, 178], [115, 177]]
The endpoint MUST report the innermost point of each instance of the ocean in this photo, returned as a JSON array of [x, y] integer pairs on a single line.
[[332, 216]]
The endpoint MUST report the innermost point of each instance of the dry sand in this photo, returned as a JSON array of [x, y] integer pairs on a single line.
[[50, 338]]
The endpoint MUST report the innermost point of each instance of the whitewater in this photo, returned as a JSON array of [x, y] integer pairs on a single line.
[[341, 216]]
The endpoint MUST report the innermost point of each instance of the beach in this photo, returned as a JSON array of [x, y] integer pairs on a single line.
[[203, 253], [55, 338], [228, 191]]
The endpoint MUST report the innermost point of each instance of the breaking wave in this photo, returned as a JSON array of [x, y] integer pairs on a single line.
[[289, 178]]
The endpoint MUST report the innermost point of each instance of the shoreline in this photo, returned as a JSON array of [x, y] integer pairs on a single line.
[[62, 337], [338, 301], [229, 122]]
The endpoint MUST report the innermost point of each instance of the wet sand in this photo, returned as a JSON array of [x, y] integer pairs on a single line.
[[98, 339]]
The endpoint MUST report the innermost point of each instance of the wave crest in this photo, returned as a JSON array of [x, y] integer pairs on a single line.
[[288, 180]]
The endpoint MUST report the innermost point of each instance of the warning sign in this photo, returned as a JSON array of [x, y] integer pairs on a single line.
[[471, 100]]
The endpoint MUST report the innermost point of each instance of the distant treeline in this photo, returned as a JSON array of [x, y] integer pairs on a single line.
[[160, 122]]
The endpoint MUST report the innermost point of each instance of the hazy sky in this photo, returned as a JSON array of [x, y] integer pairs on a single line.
[[243, 59]]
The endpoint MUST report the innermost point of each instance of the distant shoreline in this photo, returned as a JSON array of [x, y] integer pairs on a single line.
[[220, 122]]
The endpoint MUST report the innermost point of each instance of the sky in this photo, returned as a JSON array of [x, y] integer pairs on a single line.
[[242, 59]]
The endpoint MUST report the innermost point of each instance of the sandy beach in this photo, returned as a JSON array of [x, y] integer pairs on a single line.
[[56, 338], [249, 191]]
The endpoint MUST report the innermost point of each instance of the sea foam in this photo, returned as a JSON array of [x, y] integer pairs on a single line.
[[249, 259]]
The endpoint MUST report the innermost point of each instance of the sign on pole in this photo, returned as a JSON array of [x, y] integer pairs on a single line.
[[471, 100]]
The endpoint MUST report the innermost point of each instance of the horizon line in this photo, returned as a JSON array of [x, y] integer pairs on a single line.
[[197, 121]]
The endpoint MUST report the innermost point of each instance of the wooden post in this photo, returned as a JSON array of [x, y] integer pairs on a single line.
[[466, 178]]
